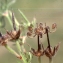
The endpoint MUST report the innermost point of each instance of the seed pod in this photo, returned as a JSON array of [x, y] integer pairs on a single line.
[[14, 34]]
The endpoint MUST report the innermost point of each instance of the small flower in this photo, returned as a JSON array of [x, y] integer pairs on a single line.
[[50, 52], [30, 30], [14, 34], [54, 26], [40, 51], [4, 39], [40, 30], [35, 31]]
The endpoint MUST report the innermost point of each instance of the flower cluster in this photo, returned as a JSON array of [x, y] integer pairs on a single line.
[[39, 31]]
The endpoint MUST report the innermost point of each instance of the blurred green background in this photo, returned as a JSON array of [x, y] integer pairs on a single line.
[[49, 11]]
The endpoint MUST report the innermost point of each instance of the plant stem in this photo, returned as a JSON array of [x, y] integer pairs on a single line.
[[21, 52], [11, 50], [18, 46], [16, 22], [39, 59], [13, 21], [38, 43], [50, 60], [48, 39], [9, 21], [27, 21]]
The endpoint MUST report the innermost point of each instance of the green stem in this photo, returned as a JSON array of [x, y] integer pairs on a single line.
[[23, 16], [17, 23], [18, 46], [39, 59], [9, 21], [23, 58], [11, 50], [21, 53], [50, 60]]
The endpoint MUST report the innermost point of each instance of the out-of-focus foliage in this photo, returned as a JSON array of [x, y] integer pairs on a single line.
[[5, 5]]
